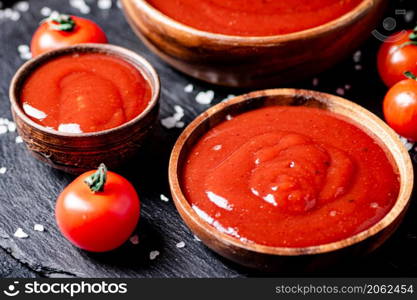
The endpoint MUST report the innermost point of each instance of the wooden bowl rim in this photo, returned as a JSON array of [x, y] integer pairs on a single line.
[[349, 17], [137, 61], [400, 156]]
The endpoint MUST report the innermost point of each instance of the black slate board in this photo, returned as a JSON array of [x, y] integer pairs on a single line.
[[28, 189]]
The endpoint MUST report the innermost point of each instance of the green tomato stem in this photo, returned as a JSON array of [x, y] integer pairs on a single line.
[[97, 181]]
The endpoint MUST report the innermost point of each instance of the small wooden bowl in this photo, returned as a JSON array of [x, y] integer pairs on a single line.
[[76, 153], [239, 61], [278, 258]]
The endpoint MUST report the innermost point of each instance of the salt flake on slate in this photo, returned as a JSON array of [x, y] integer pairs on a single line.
[[134, 239], [174, 120], [3, 170], [22, 6], [153, 254], [11, 127], [104, 4], [80, 5], [408, 145], [39, 227], [340, 91], [315, 81], [409, 16], [20, 234], [357, 56], [164, 198], [358, 67], [188, 88], [205, 97], [196, 238], [180, 245], [3, 129], [46, 11], [18, 140]]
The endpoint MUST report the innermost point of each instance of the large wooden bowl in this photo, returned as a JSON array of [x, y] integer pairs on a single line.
[[76, 153], [252, 61], [307, 258]]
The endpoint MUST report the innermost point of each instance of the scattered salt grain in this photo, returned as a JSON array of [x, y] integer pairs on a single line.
[[358, 67], [315, 82], [20, 234], [374, 205], [180, 124], [408, 145], [188, 88], [217, 147], [33, 112], [348, 87], [104, 4], [3, 129], [134, 239], [205, 97], [18, 140], [180, 245], [228, 97], [409, 16], [153, 254], [333, 213], [196, 238], [80, 5], [175, 119], [3, 170], [229, 117], [46, 11], [11, 127], [22, 6], [357, 56], [164, 198], [340, 91], [39, 227]]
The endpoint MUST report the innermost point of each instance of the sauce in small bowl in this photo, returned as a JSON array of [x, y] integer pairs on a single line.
[[277, 174], [79, 106]]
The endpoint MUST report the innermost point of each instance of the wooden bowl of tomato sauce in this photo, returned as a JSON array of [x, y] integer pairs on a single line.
[[83, 105], [287, 179], [248, 44]]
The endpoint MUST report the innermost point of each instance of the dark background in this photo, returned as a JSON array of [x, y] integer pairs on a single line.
[[29, 188]]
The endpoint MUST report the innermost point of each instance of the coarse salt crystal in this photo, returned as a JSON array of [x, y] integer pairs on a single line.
[[169, 122], [180, 124], [11, 127], [205, 97], [134, 239], [409, 16], [357, 56], [3, 170], [340, 91], [21, 234], [231, 96], [46, 11], [164, 198], [229, 117], [358, 67], [104, 4], [180, 245], [196, 238], [3, 129], [18, 140], [153, 254], [315, 82], [22, 6], [188, 88], [333, 213], [39, 227], [348, 86], [33, 112], [408, 145], [80, 5], [70, 128], [374, 205], [217, 147]]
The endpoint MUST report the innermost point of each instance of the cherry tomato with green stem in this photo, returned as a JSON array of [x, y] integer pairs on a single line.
[[98, 211], [61, 30], [400, 107], [397, 55]]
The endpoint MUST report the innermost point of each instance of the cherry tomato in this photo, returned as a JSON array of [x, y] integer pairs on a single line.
[[400, 108], [98, 211], [397, 55], [62, 30]]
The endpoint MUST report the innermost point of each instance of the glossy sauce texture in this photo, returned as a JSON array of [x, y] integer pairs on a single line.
[[85, 93], [290, 177], [254, 17]]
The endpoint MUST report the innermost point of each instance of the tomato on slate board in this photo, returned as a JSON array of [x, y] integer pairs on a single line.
[[400, 107], [98, 211], [397, 55], [59, 31]]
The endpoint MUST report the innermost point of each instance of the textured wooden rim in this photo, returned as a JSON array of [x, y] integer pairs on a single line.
[[351, 17], [143, 66], [352, 113]]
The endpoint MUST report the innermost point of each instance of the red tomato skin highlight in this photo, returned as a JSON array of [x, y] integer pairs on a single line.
[[400, 108], [47, 39], [98, 222], [393, 61]]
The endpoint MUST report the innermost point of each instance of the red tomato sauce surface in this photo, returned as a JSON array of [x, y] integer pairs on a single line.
[[254, 17], [289, 177], [85, 93]]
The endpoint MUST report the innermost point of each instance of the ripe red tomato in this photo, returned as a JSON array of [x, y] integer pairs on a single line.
[[62, 30], [397, 55], [98, 211], [400, 108]]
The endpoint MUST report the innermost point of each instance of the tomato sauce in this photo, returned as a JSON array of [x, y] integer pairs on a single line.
[[85, 93], [254, 17], [289, 177]]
